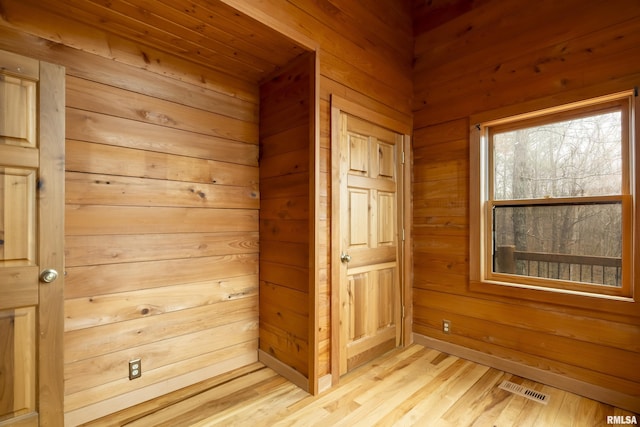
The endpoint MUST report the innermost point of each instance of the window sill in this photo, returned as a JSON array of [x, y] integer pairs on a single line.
[[553, 296]]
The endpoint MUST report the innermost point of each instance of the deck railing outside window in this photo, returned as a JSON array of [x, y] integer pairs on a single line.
[[578, 268]]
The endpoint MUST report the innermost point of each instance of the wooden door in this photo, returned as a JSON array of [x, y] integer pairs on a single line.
[[370, 159], [31, 241]]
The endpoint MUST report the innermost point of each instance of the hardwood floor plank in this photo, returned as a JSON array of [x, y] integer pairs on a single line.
[[515, 407], [212, 400], [340, 402], [448, 394], [415, 407], [259, 408], [380, 399], [569, 412], [413, 386], [550, 414], [530, 410], [494, 403]]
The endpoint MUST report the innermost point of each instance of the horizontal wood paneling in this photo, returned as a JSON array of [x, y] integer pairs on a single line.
[[294, 208], [102, 279], [294, 254], [162, 251], [550, 59], [124, 103], [99, 189], [161, 227], [101, 372], [152, 112], [121, 248], [284, 186], [477, 61], [158, 381], [285, 309], [82, 219], [558, 325], [85, 344], [285, 286], [106, 159], [444, 53], [30, 17], [96, 127], [117, 307]]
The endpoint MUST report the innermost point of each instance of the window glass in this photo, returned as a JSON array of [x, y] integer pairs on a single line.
[[555, 204], [571, 158], [579, 243]]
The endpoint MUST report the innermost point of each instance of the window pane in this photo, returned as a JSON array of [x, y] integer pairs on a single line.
[[573, 158], [581, 243]]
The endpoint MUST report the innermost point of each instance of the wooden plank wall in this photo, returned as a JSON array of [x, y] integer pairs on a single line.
[[161, 239], [494, 55], [161, 225], [365, 56], [162, 188], [285, 217]]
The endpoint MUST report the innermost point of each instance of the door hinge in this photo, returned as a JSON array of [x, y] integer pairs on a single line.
[[403, 311], [403, 157], [403, 234]]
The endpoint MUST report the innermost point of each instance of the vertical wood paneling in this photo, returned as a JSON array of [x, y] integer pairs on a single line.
[[472, 62]]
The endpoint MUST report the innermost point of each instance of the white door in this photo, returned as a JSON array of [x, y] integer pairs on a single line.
[[31, 241]]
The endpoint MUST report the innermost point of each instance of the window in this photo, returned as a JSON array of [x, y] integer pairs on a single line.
[[554, 208]]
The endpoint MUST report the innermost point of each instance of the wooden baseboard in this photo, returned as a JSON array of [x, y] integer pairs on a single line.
[[126, 400], [28, 420], [591, 391], [285, 370], [325, 383]]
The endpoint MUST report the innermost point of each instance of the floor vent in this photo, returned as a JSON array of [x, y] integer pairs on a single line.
[[525, 392]]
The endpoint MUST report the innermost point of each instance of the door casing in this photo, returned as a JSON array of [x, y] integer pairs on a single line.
[[48, 241], [338, 106]]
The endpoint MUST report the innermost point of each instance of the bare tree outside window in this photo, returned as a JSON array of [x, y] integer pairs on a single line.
[[547, 220]]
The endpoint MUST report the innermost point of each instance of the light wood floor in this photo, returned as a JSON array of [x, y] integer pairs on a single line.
[[414, 386]]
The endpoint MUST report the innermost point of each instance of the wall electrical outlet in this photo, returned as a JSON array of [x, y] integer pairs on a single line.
[[135, 369], [446, 326]]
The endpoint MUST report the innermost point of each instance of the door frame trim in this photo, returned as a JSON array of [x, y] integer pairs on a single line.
[[51, 227], [339, 105], [48, 160]]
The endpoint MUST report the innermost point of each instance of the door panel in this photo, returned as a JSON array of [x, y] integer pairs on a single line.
[[18, 98], [31, 236], [358, 217], [17, 219], [18, 362], [386, 219], [370, 285]]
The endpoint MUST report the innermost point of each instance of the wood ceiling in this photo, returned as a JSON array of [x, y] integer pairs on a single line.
[[206, 32], [429, 14]]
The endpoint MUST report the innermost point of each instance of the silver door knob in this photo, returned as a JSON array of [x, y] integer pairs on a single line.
[[49, 275], [345, 257]]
